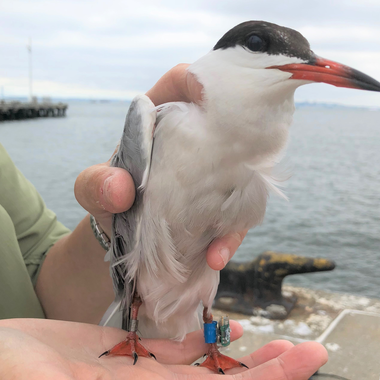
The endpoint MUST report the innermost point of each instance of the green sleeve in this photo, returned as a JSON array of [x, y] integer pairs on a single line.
[[27, 231]]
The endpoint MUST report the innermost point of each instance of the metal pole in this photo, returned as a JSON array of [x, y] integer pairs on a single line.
[[29, 47]]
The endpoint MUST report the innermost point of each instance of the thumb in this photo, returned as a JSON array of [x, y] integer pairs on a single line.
[[104, 190]]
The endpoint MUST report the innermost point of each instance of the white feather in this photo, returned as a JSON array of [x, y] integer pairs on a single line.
[[112, 316], [210, 174], [149, 119]]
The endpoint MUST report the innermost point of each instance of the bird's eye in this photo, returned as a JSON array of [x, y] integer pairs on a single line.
[[255, 43]]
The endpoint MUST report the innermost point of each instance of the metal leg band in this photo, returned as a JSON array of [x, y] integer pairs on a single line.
[[133, 325]]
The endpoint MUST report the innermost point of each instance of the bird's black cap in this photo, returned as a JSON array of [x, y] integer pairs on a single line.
[[269, 38]]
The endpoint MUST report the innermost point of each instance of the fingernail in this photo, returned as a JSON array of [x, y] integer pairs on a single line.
[[225, 255], [107, 190]]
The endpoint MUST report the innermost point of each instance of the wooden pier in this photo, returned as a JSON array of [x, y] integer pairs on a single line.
[[19, 110]]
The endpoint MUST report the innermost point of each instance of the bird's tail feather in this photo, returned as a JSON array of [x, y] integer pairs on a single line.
[[113, 316]]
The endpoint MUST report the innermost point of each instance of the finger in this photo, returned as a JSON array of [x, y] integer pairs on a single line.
[[221, 250], [268, 352], [287, 363], [176, 85], [187, 351], [194, 90], [101, 188], [297, 363]]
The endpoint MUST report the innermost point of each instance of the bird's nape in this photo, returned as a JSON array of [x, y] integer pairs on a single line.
[[330, 72]]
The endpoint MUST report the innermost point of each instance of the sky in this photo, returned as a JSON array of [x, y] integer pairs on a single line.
[[117, 49]]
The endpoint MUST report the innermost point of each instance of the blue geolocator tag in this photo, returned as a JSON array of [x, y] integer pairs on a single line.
[[210, 332]]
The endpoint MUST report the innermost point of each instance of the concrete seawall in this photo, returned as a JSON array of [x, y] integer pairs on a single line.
[[347, 325]]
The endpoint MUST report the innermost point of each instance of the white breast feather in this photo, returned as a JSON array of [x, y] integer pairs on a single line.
[[173, 275]]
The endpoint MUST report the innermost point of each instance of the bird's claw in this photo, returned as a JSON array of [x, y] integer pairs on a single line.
[[130, 347], [105, 353], [219, 363]]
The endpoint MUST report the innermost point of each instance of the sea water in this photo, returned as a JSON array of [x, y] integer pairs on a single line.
[[333, 159]]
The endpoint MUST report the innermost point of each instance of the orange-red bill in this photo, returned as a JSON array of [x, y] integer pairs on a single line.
[[326, 71]]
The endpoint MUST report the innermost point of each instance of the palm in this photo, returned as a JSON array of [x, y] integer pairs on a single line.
[[47, 349]]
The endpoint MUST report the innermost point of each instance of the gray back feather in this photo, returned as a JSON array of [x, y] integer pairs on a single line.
[[133, 155]]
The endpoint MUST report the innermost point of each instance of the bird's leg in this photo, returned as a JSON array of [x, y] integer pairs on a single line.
[[215, 360], [131, 345]]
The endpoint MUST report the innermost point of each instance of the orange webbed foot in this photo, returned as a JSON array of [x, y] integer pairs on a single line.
[[129, 347], [218, 362]]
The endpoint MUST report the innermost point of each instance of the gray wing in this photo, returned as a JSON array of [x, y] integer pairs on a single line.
[[134, 155]]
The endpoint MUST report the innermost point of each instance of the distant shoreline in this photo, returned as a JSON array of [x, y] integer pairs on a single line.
[[101, 100]]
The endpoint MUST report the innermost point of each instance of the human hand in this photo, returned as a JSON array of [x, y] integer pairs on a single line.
[[177, 85], [36, 349], [103, 190]]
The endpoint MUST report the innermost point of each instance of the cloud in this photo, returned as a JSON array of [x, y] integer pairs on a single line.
[[117, 47], [44, 88]]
